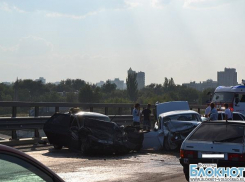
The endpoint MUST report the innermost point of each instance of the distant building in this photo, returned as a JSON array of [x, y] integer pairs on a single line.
[[56, 83], [140, 78], [7, 83], [99, 84], [228, 77], [116, 81], [119, 83], [202, 85], [43, 80]]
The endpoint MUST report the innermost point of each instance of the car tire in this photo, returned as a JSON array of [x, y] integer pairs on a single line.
[[168, 145], [85, 147], [58, 147], [186, 172], [138, 148]]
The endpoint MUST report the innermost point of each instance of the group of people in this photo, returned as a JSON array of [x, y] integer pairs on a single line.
[[212, 113], [137, 116]]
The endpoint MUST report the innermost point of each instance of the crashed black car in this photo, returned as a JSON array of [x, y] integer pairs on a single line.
[[91, 132]]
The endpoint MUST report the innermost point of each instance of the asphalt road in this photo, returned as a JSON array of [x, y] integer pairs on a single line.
[[147, 166]]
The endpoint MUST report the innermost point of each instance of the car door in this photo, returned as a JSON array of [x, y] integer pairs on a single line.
[[74, 140], [154, 139]]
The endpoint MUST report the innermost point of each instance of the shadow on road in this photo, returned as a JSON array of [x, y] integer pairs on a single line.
[[68, 153]]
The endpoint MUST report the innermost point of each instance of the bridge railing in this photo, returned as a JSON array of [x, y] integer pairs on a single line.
[[36, 122]]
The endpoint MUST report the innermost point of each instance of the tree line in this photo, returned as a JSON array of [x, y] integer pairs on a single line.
[[77, 90]]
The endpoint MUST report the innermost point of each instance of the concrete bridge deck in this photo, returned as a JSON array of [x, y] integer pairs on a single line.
[[144, 166]]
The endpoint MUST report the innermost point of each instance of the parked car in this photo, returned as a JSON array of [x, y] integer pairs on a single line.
[[91, 132], [18, 166], [214, 137], [171, 129], [221, 116]]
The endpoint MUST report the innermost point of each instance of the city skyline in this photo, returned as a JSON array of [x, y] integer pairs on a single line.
[[184, 39], [229, 73]]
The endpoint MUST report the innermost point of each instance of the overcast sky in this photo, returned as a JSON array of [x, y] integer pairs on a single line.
[[93, 40]]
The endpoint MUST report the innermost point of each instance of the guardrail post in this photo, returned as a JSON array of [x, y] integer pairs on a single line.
[[119, 111], [91, 109], [199, 110], [14, 111], [36, 133], [57, 109], [36, 111], [106, 110], [14, 135]]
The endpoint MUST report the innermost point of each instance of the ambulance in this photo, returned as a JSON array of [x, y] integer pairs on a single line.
[[234, 96]]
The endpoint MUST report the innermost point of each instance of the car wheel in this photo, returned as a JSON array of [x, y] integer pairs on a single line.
[[138, 148], [168, 145], [186, 172], [57, 147], [85, 147]]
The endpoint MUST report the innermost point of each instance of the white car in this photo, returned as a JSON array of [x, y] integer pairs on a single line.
[[224, 138], [171, 129], [221, 116]]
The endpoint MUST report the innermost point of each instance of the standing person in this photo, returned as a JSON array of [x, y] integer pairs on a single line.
[[136, 115], [213, 113], [147, 118], [228, 114], [207, 110]]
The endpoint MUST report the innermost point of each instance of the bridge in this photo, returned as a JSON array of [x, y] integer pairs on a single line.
[[71, 165], [121, 114]]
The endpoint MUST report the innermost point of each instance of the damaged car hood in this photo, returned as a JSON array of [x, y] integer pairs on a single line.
[[178, 126]]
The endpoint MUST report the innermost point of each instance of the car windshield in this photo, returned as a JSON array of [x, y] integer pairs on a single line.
[[219, 132], [182, 117], [223, 97]]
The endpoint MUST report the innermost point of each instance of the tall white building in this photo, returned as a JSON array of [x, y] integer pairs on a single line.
[[228, 77], [140, 78]]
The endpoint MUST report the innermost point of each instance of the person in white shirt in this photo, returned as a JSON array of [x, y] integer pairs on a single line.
[[228, 113], [213, 116], [136, 115], [207, 110]]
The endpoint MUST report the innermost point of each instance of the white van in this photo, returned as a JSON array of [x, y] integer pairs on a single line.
[[234, 96]]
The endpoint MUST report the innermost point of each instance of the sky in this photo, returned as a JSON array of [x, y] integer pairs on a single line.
[[94, 40]]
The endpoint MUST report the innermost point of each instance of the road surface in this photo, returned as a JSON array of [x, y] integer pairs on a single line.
[[145, 166]]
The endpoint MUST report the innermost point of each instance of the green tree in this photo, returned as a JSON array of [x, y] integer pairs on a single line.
[[132, 86], [108, 87], [88, 94]]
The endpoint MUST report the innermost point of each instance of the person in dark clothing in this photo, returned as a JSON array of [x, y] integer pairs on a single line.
[[147, 118]]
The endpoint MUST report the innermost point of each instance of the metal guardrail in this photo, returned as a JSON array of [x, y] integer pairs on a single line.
[[36, 123], [19, 123]]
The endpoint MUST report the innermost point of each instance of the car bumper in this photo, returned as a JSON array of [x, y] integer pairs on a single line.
[[220, 163]]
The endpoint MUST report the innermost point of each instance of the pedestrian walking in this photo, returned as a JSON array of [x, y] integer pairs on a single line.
[[136, 115], [213, 113], [147, 118], [228, 113]]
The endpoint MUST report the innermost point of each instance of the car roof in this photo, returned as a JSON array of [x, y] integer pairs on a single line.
[[82, 113], [177, 112]]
